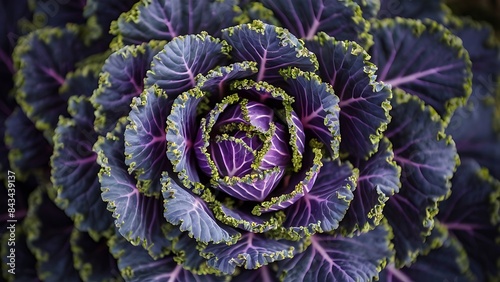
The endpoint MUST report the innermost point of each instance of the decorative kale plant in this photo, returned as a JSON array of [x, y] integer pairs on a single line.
[[273, 140]]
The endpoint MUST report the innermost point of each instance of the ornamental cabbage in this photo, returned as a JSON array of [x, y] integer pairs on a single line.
[[284, 140]]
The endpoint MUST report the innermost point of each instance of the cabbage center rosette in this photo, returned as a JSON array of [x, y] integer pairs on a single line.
[[245, 138]]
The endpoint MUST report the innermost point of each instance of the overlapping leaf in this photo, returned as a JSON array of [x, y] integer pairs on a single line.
[[250, 252], [137, 216], [378, 181], [29, 151], [273, 48], [446, 262], [92, 258], [316, 106], [145, 142], [423, 9], [193, 215], [471, 216], [121, 79], [43, 58], [175, 68], [322, 208], [167, 19], [48, 232], [136, 265], [364, 103]]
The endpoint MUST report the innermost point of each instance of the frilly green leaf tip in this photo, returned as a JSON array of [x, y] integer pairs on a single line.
[[296, 73], [131, 15], [285, 37], [106, 170], [137, 106], [446, 37], [126, 53], [285, 115], [365, 39], [277, 201], [370, 70]]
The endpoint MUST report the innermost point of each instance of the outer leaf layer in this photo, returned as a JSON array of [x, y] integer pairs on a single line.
[[340, 19], [471, 216], [92, 259], [167, 19], [74, 169], [337, 258], [427, 158], [28, 149], [438, 70], [121, 79], [48, 235], [136, 265]]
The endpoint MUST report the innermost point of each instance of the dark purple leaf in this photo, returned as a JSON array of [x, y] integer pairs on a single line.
[[74, 169], [250, 252], [378, 181], [322, 208], [423, 59], [273, 48], [145, 143], [29, 151], [137, 216], [137, 266], [427, 157], [167, 19], [48, 232], [340, 19], [422, 9], [337, 258], [176, 67], [92, 258], [192, 214], [364, 103], [122, 78], [471, 216]]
